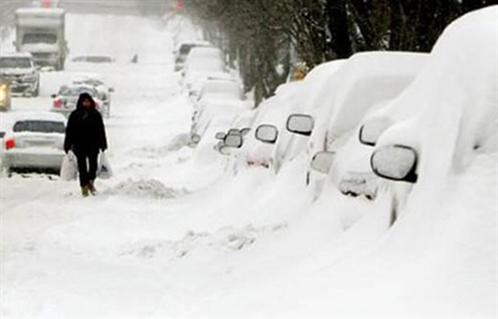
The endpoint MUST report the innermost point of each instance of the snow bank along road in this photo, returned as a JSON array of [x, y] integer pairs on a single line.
[[171, 235]]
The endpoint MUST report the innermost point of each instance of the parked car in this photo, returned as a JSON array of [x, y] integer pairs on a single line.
[[182, 51], [93, 59], [363, 83], [64, 102], [200, 63], [33, 141], [5, 102], [103, 91], [217, 97], [19, 69], [455, 122]]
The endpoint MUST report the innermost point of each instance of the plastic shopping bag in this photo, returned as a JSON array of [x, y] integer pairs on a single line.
[[104, 170], [69, 167]]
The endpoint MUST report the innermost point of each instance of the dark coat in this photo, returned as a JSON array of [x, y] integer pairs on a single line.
[[85, 131]]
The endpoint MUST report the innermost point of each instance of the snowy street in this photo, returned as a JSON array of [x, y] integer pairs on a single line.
[[178, 232]]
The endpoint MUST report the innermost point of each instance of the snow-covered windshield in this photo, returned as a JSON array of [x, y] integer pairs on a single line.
[[227, 88], [39, 126], [13, 63], [32, 38]]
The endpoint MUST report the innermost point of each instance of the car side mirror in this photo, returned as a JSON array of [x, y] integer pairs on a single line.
[[301, 124], [220, 136], [372, 130], [395, 162], [195, 138], [267, 133], [234, 131], [233, 140], [224, 150], [322, 161]]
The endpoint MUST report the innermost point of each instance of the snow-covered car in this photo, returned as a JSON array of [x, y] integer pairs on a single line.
[[183, 50], [194, 91], [200, 63], [217, 97], [19, 69], [64, 102], [93, 59], [290, 145], [453, 132], [362, 84], [103, 91], [5, 101], [266, 128], [33, 141]]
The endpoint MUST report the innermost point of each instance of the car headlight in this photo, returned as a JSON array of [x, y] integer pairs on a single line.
[[3, 92]]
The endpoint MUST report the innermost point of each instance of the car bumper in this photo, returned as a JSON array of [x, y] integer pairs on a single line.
[[33, 158], [23, 88]]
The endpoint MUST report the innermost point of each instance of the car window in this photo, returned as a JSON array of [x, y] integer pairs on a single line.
[[15, 62], [39, 126], [76, 91], [32, 38]]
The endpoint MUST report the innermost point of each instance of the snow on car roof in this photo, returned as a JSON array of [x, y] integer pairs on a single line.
[[350, 93], [456, 97], [41, 11], [41, 116]]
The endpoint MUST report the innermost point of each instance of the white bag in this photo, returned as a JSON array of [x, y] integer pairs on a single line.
[[69, 167], [104, 170]]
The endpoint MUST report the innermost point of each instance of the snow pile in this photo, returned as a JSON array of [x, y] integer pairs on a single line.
[[144, 189]]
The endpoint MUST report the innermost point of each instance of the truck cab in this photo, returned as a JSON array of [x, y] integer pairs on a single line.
[[41, 32]]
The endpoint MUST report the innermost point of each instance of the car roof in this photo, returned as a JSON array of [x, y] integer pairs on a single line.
[[32, 116]]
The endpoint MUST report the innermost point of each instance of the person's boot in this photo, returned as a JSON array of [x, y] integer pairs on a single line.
[[85, 191], [91, 187]]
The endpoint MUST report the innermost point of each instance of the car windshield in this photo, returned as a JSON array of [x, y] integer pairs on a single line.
[[76, 91], [39, 126], [33, 38], [185, 49], [14, 62]]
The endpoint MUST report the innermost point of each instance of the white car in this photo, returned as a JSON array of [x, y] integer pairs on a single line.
[[33, 141], [64, 102], [103, 91], [217, 97], [453, 123], [200, 63], [183, 49], [19, 69], [364, 82]]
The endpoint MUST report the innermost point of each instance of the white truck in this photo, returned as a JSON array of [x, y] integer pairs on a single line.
[[41, 32]]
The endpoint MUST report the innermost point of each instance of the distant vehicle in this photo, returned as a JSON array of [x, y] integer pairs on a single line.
[[103, 91], [183, 50], [41, 32], [4, 96], [64, 102], [93, 59], [19, 69], [33, 141], [200, 63], [197, 85]]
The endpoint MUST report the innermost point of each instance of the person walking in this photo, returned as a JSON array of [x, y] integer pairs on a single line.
[[85, 136]]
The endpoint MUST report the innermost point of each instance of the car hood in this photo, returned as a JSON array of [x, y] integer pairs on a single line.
[[16, 71]]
